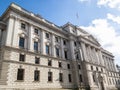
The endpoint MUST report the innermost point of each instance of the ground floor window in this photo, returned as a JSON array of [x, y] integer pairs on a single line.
[[20, 74]]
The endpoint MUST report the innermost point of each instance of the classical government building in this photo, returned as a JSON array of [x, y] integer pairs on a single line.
[[36, 54]]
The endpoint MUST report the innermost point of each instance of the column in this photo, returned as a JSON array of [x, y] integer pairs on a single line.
[[62, 50], [100, 58], [84, 51], [42, 38], [72, 49], [15, 40], [9, 31], [30, 39], [53, 46]]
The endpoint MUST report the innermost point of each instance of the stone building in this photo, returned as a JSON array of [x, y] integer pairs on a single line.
[[39, 55]]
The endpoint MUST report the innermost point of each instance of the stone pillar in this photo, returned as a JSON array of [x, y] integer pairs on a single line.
[[72, 49], [84, 51], [62, 50], [15, 38], [100, 58], [30, 45], [53, 46], [9, 31], [42, 38]]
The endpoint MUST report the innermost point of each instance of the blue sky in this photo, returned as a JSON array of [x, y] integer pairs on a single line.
[[101, 18]]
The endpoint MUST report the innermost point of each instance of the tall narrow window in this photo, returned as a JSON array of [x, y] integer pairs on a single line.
[[68, 66], [49, 62], [69, 78], [37, 60], [56, 39], [80, 78], [23, 26], [57, 52], [91, 67], [36, 75], [75, 44], [60, 64], [47, 35], [36, 31], [47, 49], [65, 53], [93, 78], [97, 68], [36, 46], [64, 42], [79, 67], [21, 42], [61, 77], [22, 57], [50, 76], [20, 74]]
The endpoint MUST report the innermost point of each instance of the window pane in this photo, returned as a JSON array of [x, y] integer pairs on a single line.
[[37, 60], [21, 57], [36, 75], [60, 77], [20, 74], [36, 31], [22, 25], [49, 63], [49, 76], [60, 64], [21, 42], [47, 49], [47, 35], [57, 52], [80, 77], [65, 53], [36, 46], [69, 78]]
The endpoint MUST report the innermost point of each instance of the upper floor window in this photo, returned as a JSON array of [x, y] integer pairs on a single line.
[[65, 54], [75, 44], [64, 42], [37, 60], [21, 42], [93, 78], [36, 31], [36, 75], [68, 66], [35, 46], [50, 76], [79, 67], [56, 39], [20, 74], [61, 77], [22, 57], [47, 49], [97, 68], [49, 62], [57, 52], [23, 26], [47, 35], [60, 64], [69, 78], [91, 67], [80, 78]]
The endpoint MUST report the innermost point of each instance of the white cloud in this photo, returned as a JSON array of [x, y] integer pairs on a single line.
[[110, 3], [106, 34], [114, 18], [84, 0]]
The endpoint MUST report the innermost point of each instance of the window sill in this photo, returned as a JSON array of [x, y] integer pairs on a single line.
[[36, 81], [19, 81], [50, 82]]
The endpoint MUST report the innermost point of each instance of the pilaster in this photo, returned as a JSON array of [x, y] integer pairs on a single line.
[[62, 50], [84, 51], [53, 46], [42, 38], [30, 45], [72, 49]]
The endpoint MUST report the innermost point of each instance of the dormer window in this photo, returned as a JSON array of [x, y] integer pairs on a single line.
[[23, 26]]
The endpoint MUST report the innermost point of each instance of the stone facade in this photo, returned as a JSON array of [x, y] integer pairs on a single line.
[[66, 50]]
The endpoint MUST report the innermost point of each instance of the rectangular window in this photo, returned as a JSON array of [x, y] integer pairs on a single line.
[[93, 78], [56, 39], [60, 64], [49, 76], [65, 53], [36, 46], [69, 78], [68, 66], [36, 75], [61, 77], [80, 78], [20, 74], [36, 31], [79, 67], [97, 68], [47, 35], [57, 52], [22, 57], [23, 26], [47, 49], [64, 42], [37, 60], [49, 62], [21, 42], [91, 67], [75, 44]]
